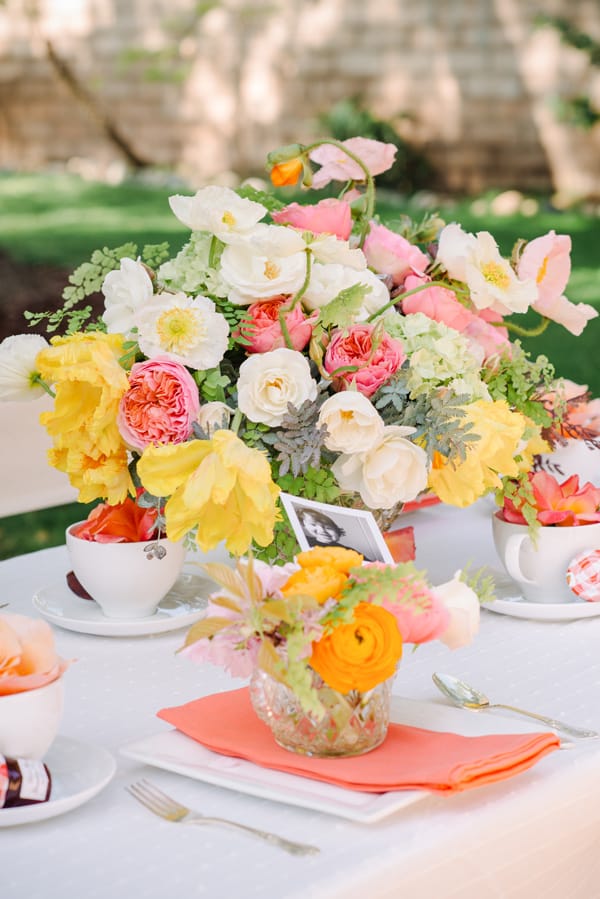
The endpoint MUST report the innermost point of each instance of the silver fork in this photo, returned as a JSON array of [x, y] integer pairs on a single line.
[[165, 807]]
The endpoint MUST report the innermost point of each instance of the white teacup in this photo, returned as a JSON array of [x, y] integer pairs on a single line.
[[29, 721], [541, 569], [125, 580]]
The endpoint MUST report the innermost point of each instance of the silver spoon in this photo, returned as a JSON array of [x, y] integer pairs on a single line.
[[467, 697]]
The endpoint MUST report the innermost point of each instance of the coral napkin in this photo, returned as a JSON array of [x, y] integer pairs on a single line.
[[410, 758]]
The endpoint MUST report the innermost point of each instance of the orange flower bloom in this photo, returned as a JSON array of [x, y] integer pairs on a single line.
[[286, 174], [361, 654], [331, 557], [122, 523], [322, 582]]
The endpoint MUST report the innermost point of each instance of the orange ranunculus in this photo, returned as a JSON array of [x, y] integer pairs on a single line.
[[361, 654], [123, 523], [286, 174], [322, 582], [331, 557]]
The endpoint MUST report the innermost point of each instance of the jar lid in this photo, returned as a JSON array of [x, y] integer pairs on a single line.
[[583, 575]]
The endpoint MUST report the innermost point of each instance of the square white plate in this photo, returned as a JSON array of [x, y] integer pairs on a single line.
[[175, 752]]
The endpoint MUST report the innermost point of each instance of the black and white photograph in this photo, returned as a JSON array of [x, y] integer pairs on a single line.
[[322, 524]]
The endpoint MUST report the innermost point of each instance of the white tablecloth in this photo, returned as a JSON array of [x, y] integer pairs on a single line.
[[532, 836]]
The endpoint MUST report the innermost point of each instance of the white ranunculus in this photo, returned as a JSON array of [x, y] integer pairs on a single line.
[[393, 471], [17, 367], [125, 290], [328, 248], [187, 330], [213, 416], [219, 211], [327, 281], [463, 605], [269, 381], [492, 281], [267, 263], [353, 423], [454, 248]]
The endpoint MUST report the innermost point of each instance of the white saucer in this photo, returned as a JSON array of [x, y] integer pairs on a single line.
[[183, 605], [78, 771], [510, 602]]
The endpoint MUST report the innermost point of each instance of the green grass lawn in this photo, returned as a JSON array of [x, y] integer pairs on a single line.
[[60, 219]]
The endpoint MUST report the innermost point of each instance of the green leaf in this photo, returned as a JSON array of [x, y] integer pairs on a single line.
[[340, 311]]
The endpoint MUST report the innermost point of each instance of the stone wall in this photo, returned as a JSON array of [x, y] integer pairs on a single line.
[[469, 81]]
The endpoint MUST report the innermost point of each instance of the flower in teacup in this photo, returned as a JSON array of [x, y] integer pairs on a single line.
[[360, 654], [329, 216], [363, 356], [336, 165], [125, 290], [219, 486], [393, 471], [463, 607], [19, 377], [218, 210], [261, 327], [270, 261], [353, 423], [391, 254], [269, 382], [213, 416], [28, 657], [124, 522], [547, 260], [565, 504], [186, 329], [160, 405]]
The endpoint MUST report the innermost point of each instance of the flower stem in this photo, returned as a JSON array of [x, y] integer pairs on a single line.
[[525, 332], [37, 379], [283, 311], [403, 296]]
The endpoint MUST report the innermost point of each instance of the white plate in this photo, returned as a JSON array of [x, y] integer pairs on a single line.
[[78, 771], [183, 605], [511, 602], [175, 752]]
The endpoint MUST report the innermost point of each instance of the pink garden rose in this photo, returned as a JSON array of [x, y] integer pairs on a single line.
[[326, 217], [391, 254], [261, 326], [547, 260], [160, 405], [337, 166], [354, 347], [28, 658]]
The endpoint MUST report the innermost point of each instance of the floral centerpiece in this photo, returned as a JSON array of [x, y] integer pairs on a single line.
[[304, 348], [322, 637]]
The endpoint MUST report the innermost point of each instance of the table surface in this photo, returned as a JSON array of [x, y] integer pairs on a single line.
[[536, 834]]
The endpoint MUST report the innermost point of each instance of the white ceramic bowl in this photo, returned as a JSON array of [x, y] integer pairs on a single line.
[[29, 721], [122, 578]]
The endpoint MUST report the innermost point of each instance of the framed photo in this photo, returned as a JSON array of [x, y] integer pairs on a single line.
[[321, 524]]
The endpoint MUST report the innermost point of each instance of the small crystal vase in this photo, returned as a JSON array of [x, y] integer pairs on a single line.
[[353, 723]]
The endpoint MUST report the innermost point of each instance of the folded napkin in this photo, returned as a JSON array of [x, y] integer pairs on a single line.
[[409, 759]]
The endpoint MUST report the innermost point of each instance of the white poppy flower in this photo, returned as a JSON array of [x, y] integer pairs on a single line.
[[393, 471], [493, 283], [327, 281], [463, 605], [328, 248], [17, 367], [454, 248], [353, 423], [125, 290], [187, 330], [218, 210], [269, 262], [269, 381]]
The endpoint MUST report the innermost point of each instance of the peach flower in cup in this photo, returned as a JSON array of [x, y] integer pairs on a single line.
[[352, 359], [161, 404], [28, 657]]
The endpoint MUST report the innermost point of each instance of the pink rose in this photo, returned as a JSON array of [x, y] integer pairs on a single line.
[[326, 217], [261, 326], [354, 347], [547, 260], [421, 622], [337, 166], [28, 658], [160, 405], [391, 254]]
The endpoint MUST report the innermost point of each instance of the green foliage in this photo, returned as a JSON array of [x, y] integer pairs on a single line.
[[268, 200], [299, 440], [153, 255], [212, 384], [480, 582], [341, 310], [318, 484], [521, 380], [411, 171]]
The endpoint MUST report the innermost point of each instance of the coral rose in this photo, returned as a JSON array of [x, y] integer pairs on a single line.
[[369, 364], [122, 523], [261, 327], [361, 654], [161, 404], [329, 216]]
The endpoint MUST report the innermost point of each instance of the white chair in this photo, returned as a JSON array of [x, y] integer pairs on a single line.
[[28, 482]]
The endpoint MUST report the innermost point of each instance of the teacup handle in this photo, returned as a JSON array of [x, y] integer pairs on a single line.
[[512, 554]]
